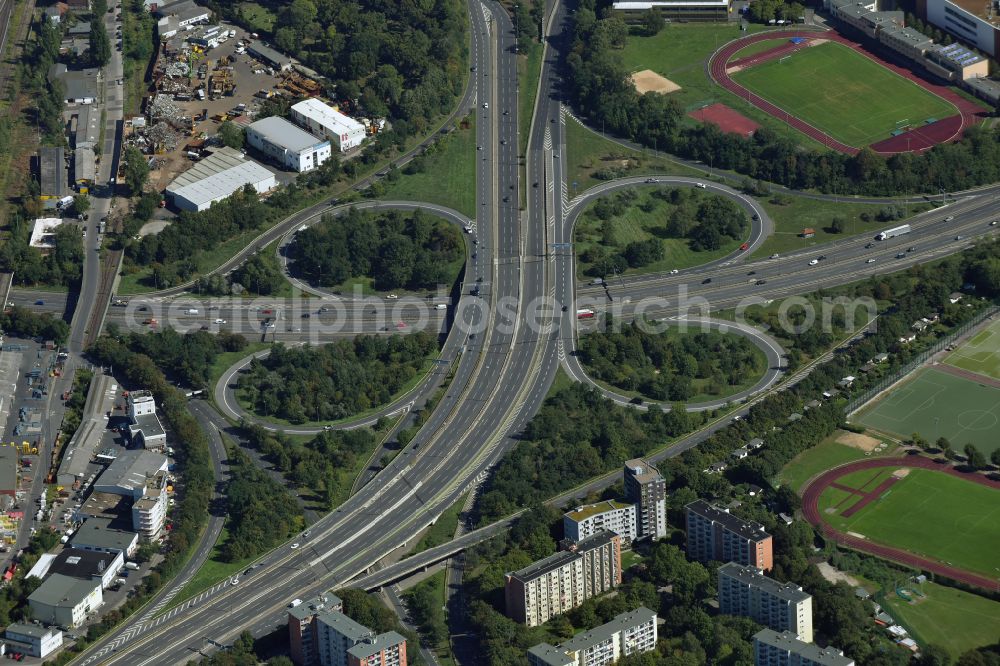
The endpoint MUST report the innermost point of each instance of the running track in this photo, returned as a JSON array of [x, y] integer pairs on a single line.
[[810, 508], [918, 139]]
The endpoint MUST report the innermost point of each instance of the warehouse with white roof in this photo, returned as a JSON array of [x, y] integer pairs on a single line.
[[216, 177], [322, 119], [288, 145]]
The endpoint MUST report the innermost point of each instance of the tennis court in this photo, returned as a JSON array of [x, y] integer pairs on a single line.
[[981, 353], [936, 404]]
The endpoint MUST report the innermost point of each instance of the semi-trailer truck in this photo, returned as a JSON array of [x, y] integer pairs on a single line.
[[892, 233]]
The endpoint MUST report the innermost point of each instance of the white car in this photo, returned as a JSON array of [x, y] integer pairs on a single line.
[[700, 185], [774, 256], [295, 545], [813, 262], [486, 105], [220, 321], [674, 271], [870, 261]]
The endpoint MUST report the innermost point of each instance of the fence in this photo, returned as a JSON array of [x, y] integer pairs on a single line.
[[919, 360]]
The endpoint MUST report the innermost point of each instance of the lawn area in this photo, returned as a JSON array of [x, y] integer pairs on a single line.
[[826, 455], [679, 53], [211, 572], [935, 404], [447, 176], [792, 214], [443, 530], [257, 16], [529, 69], [859, 102], [835, 498], [646, 217], [758, 47], [630, 558], [981, 353], [957, 621], [589, 156], [928, 513], [226, 359]]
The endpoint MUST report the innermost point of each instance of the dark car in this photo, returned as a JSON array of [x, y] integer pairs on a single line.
[[760, 282], [706, 280], [39, 302], [306, 315]]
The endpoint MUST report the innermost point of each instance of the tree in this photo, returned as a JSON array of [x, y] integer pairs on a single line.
[[136, 170], [81, 204], [942, 443], [995, 457], [838, 225], [933, 655], [652, 22], [100, 45], [232, 135], [974, 457]]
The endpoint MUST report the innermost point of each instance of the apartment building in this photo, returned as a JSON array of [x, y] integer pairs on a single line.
[[340, 641], [565, 580], [647, 489], [587, 520], [302, 627], [630, 633], [715, 534], [784, 649], [779, 606]]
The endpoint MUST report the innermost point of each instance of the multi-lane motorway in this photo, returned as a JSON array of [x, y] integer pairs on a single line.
[[506, 347]]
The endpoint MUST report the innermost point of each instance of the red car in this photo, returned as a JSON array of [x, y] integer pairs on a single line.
[[744, 247]]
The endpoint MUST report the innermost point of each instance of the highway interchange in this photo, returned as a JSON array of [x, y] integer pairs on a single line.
[[504, 346]]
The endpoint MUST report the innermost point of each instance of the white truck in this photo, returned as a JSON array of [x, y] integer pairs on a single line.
[[892, 233]]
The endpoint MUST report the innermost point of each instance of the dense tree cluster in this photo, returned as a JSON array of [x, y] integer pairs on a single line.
[[706, 221], [62, 266], [25, 323], [664, 366], [186, 358], [600, 88], [576, 435], [262, 514], [402, 60], [398, 249], [260, 274], [336, 380], [767, 10], [174, 252], [47, 96], [327, 464]]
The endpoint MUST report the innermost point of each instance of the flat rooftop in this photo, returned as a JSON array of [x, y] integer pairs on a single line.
[[278, 131], [590, 510], [750, 576], [744, 528]]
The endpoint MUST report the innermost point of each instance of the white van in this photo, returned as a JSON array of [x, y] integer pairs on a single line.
[[191, 311]]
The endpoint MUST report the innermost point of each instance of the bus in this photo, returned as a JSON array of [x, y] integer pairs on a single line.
[[585, 314]]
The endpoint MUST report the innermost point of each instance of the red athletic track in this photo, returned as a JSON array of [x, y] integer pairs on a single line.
[[916, 140], [726, 119], [967, 374], [810, 508]]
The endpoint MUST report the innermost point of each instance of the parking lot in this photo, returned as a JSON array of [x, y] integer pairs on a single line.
[[249, 77]]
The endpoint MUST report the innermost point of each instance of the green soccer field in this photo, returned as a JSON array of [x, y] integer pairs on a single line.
[[932, 514], [936, 404], [843, 93], [954, 619], [981, 353]]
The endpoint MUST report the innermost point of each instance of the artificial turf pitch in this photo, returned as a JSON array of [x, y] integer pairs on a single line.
[[936, 404], [981, 353], [928, 513], [844, 94]]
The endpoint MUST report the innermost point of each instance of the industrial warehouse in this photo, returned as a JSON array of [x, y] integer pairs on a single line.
[[216, 177], [289, 146]]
